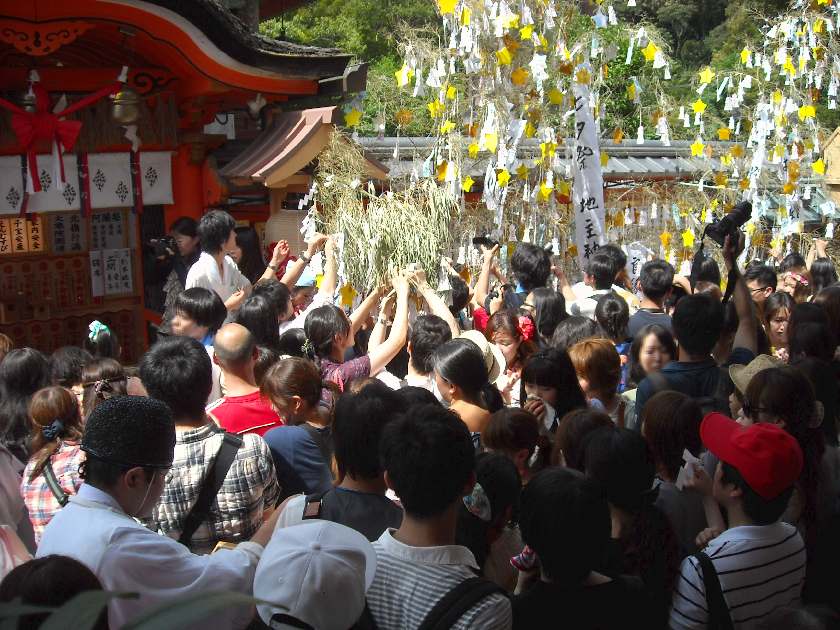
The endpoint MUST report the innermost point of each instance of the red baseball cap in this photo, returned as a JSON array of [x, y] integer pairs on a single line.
[[767, 457]]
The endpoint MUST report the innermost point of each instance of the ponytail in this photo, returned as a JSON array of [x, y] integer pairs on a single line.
[[490, 398]]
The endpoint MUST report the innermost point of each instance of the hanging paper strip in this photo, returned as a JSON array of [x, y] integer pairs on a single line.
[[136, 182], [84, 185], [23, 199], [588, 189]]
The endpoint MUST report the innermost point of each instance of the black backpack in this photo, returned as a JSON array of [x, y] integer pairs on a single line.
[[448, 609]]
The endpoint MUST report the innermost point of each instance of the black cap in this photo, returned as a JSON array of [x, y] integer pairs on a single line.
[[131, 431]]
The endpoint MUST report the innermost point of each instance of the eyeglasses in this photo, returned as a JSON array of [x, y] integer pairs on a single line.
[[754, 291]]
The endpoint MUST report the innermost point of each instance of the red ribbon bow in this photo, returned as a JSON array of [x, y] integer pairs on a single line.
[[526, 328]]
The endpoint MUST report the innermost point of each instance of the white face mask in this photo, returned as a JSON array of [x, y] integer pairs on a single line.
[[137, 512], [550, 415]]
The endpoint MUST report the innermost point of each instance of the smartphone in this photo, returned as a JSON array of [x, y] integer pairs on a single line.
[[485, 240]]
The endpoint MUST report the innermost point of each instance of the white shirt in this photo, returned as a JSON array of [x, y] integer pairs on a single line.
[[205, 274], [760, 567], [409, 581], [583, 290], [129, 558]]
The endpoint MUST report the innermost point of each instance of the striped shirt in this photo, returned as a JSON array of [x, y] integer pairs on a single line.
[[409, 581], [760, 568]]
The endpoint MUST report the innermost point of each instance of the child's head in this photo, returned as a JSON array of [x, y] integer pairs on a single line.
[[671, 424], [429, 460], [697, 323], [565, 519], [198, 312], [656, 279], [598, 368], [550, 376], [758, 468]]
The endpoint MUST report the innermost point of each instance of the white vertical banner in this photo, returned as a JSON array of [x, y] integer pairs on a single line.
[[637, 256], [588, 189]]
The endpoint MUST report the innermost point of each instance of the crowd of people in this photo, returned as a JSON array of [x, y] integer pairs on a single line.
[[515, 452]]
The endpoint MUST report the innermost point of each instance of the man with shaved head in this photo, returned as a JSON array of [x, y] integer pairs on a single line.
[[242, 409]]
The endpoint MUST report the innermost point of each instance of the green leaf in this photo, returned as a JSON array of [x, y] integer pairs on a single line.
[[10, 612], [82, 612], [189, 610]]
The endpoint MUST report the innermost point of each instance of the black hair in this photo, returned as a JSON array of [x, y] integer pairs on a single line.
[[565, 519], [203, 306], [214, 230], [823, 274], [677, 294], [460, 293], [549, 311], [554, 368], [102, 474], [709, 271], [602, 269], [573, 329], [656, 279], [760, 510], [277, 293], [665, 338], [177, 372], [460, 362], [502, 486], [824, 380], [810, 313], [697, 323], [613, 315], [793, 260], [357, 428], [252, 263], [621, 462], [764, 275], [413, 396], [531, 266], [66, 365], [186, 226], [291, 343], [428, 333], [266, 358], [812, 340], [321, 327], [103, 343], [259, 316], [776, 302], [616, 255], [429, 458], [23, 372], [51, 581]]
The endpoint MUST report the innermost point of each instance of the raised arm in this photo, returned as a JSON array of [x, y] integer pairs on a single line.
[[436, 304], [388, 349], [358, 317], [278, 256], [482, 285], [329, 283], [386, 312], [745, 335], [295, 269], [563, 282]]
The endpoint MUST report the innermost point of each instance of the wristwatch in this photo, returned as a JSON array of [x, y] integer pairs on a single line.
[[274, 268], [305, 257]]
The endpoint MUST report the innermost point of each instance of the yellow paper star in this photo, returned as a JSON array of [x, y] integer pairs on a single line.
[[526, 31], [688, 239], [582, 76], [451, 92], [665, 239], [698, 106], [348, 294], [650, 51], [522, 171], [491, 141], [435, 108], [442, 170], [545, 191], [555, 96], [503, 56], [447, 6], [519, 76], [806, 112], [818, 167], [697, 148], [788, 188], [473, 150], [447, 126], [745, 55], [706, 75], [503, 177], [404, 75], [724, 133], [468, 184], [352, 118]]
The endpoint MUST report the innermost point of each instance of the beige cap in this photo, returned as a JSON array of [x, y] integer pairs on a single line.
[[493, 357], [742, 374]]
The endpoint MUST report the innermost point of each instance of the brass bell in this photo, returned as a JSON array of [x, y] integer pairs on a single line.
[[125, 108], [26, 100]]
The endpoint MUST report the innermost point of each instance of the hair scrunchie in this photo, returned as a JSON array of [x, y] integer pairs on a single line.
[[94, 328], [526, 328], [478, 504], [54, 430]]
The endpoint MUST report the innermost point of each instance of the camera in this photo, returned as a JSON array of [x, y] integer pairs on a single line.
[[485, 240], [163, 247], [729, 224]]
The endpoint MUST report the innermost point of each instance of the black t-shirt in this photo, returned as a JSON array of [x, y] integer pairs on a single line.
[[367, 513], [643, 317], [620, 603]]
